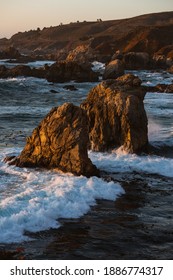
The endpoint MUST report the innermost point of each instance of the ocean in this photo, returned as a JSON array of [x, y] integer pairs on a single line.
[[125, 214]]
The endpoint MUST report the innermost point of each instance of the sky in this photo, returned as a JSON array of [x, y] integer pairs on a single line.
[[24, 15]]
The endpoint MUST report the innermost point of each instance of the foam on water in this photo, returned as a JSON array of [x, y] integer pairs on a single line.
[[119, 161], [35, 200]]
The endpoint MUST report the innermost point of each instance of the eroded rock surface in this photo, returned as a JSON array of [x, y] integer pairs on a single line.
[[60, 141], [116, 115]]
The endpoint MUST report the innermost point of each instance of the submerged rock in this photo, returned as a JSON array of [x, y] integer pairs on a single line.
[[116, 115], [60, 141]]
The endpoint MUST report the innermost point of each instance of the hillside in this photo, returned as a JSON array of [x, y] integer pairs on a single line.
[[141, 33]]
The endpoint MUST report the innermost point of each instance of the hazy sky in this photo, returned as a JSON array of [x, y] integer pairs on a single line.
[[23, 15]]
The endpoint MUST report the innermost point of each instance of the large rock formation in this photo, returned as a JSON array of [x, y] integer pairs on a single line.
[[60, 141], [116, 115], [136, 60], [64, 71]]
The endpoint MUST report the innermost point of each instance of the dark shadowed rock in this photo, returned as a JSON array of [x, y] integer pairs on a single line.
[[10, 53], [70, 87], [136, 60], [116, 115], [60, 141], [114, 69], [170, 70], [65, 71], [160, 88], [20, 70]]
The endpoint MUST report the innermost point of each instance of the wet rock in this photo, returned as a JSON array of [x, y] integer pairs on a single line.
[[53, 91], [70, 87], [113, 70], [65, 71], [136, 60], [116, 115], [20, 70], [60, 141], [160, 88]]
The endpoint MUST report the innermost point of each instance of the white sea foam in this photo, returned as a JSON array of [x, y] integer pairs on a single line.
[[98, 66], [40, 63], [118, 161], [35, 200]]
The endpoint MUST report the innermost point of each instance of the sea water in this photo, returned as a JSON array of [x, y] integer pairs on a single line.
[[37, 200]]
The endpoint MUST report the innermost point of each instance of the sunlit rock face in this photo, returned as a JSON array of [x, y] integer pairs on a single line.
[[116, 115], [60, 141], [114, 69]]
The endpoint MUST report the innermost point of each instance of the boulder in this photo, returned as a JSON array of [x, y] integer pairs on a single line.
[[113, 70], [136, 60], [19, 70], [65, 71], [116, 115], [60, 141]]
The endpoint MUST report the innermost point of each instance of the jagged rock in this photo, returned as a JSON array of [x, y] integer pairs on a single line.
[[116, 115], [60, 141], [136, 60], [82, 54], [65, 71], [113, 70]]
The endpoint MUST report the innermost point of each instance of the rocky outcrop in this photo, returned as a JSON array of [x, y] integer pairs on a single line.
[[114, 69], [60, 141], [10, 53], [116, 115], [61, 72], [65, 71], [21, 70], [82, 54], [136, 60]]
